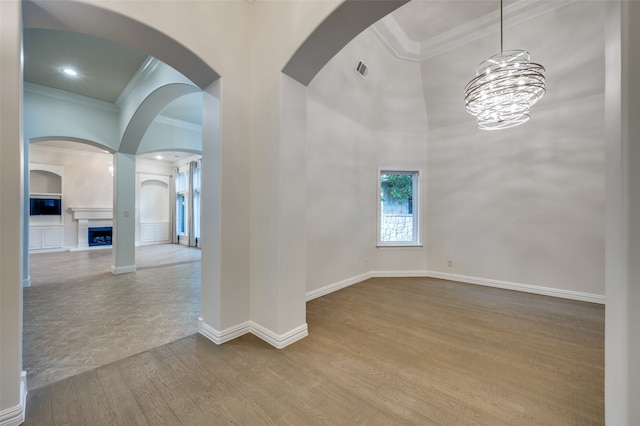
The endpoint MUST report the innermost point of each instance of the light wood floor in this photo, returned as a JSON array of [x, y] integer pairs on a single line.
[[79, 316], [382, 352]]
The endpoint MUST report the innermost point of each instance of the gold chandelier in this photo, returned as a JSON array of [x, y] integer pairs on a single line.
[[506, 86]]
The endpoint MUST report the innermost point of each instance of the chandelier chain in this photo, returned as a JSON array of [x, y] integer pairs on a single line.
[[501, 30]]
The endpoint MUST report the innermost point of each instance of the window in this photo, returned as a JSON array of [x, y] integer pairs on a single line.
[[196, 201], [181, 203], [398, 208], [180, 214]]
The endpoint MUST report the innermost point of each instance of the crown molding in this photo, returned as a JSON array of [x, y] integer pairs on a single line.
[[79, 152], [393, 36], [38, 89], [163, 119], [147, 67]]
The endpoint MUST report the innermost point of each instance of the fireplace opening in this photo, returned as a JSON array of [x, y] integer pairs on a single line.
[[100, 236]]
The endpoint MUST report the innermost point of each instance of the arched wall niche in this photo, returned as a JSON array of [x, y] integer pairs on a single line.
[[154, 200], [45, 181]]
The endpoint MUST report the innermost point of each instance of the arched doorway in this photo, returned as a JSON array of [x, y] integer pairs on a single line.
[[62, 16]]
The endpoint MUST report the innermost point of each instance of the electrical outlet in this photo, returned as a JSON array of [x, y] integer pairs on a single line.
[[450, 263]]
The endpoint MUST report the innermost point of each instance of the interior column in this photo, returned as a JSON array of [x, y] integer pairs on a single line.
[[622, 321], [278, 257], [124, 198]]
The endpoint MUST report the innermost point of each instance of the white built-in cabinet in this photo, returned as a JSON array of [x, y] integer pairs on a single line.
[[46, 233]]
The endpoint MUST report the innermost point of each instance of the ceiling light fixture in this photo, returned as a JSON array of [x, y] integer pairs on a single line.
[[506, 86], [158, 157], [70, 71]]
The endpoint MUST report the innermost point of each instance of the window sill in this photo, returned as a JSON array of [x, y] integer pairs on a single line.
[[408, 245]]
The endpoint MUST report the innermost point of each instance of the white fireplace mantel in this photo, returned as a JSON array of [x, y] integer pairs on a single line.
[[97, 213], [89, 217]]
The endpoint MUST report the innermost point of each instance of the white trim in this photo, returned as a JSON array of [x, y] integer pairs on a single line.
[[416, 174], [219, 337], [69, 97], [148, 66], [14, 416], [278, 341], [526, 288], [396, 40], [117, 270], [26, 282], [97, 213], [399, 274], [163, 119], [310, 295], [38, 146]]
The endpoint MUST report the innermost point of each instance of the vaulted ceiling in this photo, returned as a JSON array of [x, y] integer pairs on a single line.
[[560, 38]]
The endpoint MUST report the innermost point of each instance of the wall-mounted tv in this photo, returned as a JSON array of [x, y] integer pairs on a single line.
[[45, 206]]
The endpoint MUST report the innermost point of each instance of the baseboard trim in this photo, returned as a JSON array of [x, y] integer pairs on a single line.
[[527, 288], [280, 340], [277, 340], [322, 291], [14, 416], [399, 274], [220, 337], [117, 270], [313, 294]]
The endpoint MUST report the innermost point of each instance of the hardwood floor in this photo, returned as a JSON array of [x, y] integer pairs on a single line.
[[79, 316], [385, 351]]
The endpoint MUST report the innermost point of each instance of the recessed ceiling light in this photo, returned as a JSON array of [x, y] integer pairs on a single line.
[[158, 157], [70, 71]]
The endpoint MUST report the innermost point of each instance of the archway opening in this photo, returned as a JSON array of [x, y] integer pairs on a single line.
[[39, 15]]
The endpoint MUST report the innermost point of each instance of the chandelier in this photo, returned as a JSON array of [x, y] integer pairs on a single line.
[[506, 86]]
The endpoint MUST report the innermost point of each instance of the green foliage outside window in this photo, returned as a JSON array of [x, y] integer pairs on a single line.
[[397, 186]]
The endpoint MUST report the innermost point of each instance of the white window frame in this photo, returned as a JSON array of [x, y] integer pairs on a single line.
[[182, 190], [197, 199], [416, 173]]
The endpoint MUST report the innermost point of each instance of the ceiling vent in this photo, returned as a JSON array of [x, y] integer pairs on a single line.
[[362, 70]]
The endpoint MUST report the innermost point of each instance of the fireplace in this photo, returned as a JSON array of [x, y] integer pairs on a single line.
[[100, 236]]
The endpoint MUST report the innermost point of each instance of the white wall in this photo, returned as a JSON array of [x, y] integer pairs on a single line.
[[88, 183], [54, 113], [355, 126], [524, 205]]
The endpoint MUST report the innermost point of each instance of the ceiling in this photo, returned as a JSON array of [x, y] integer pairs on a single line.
[[104, 68], [423, 20], [423, 28]]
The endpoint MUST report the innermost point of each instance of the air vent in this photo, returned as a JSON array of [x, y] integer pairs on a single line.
[[362, 70]]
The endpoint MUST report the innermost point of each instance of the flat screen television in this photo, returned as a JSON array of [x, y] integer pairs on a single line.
[[45, 206]]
